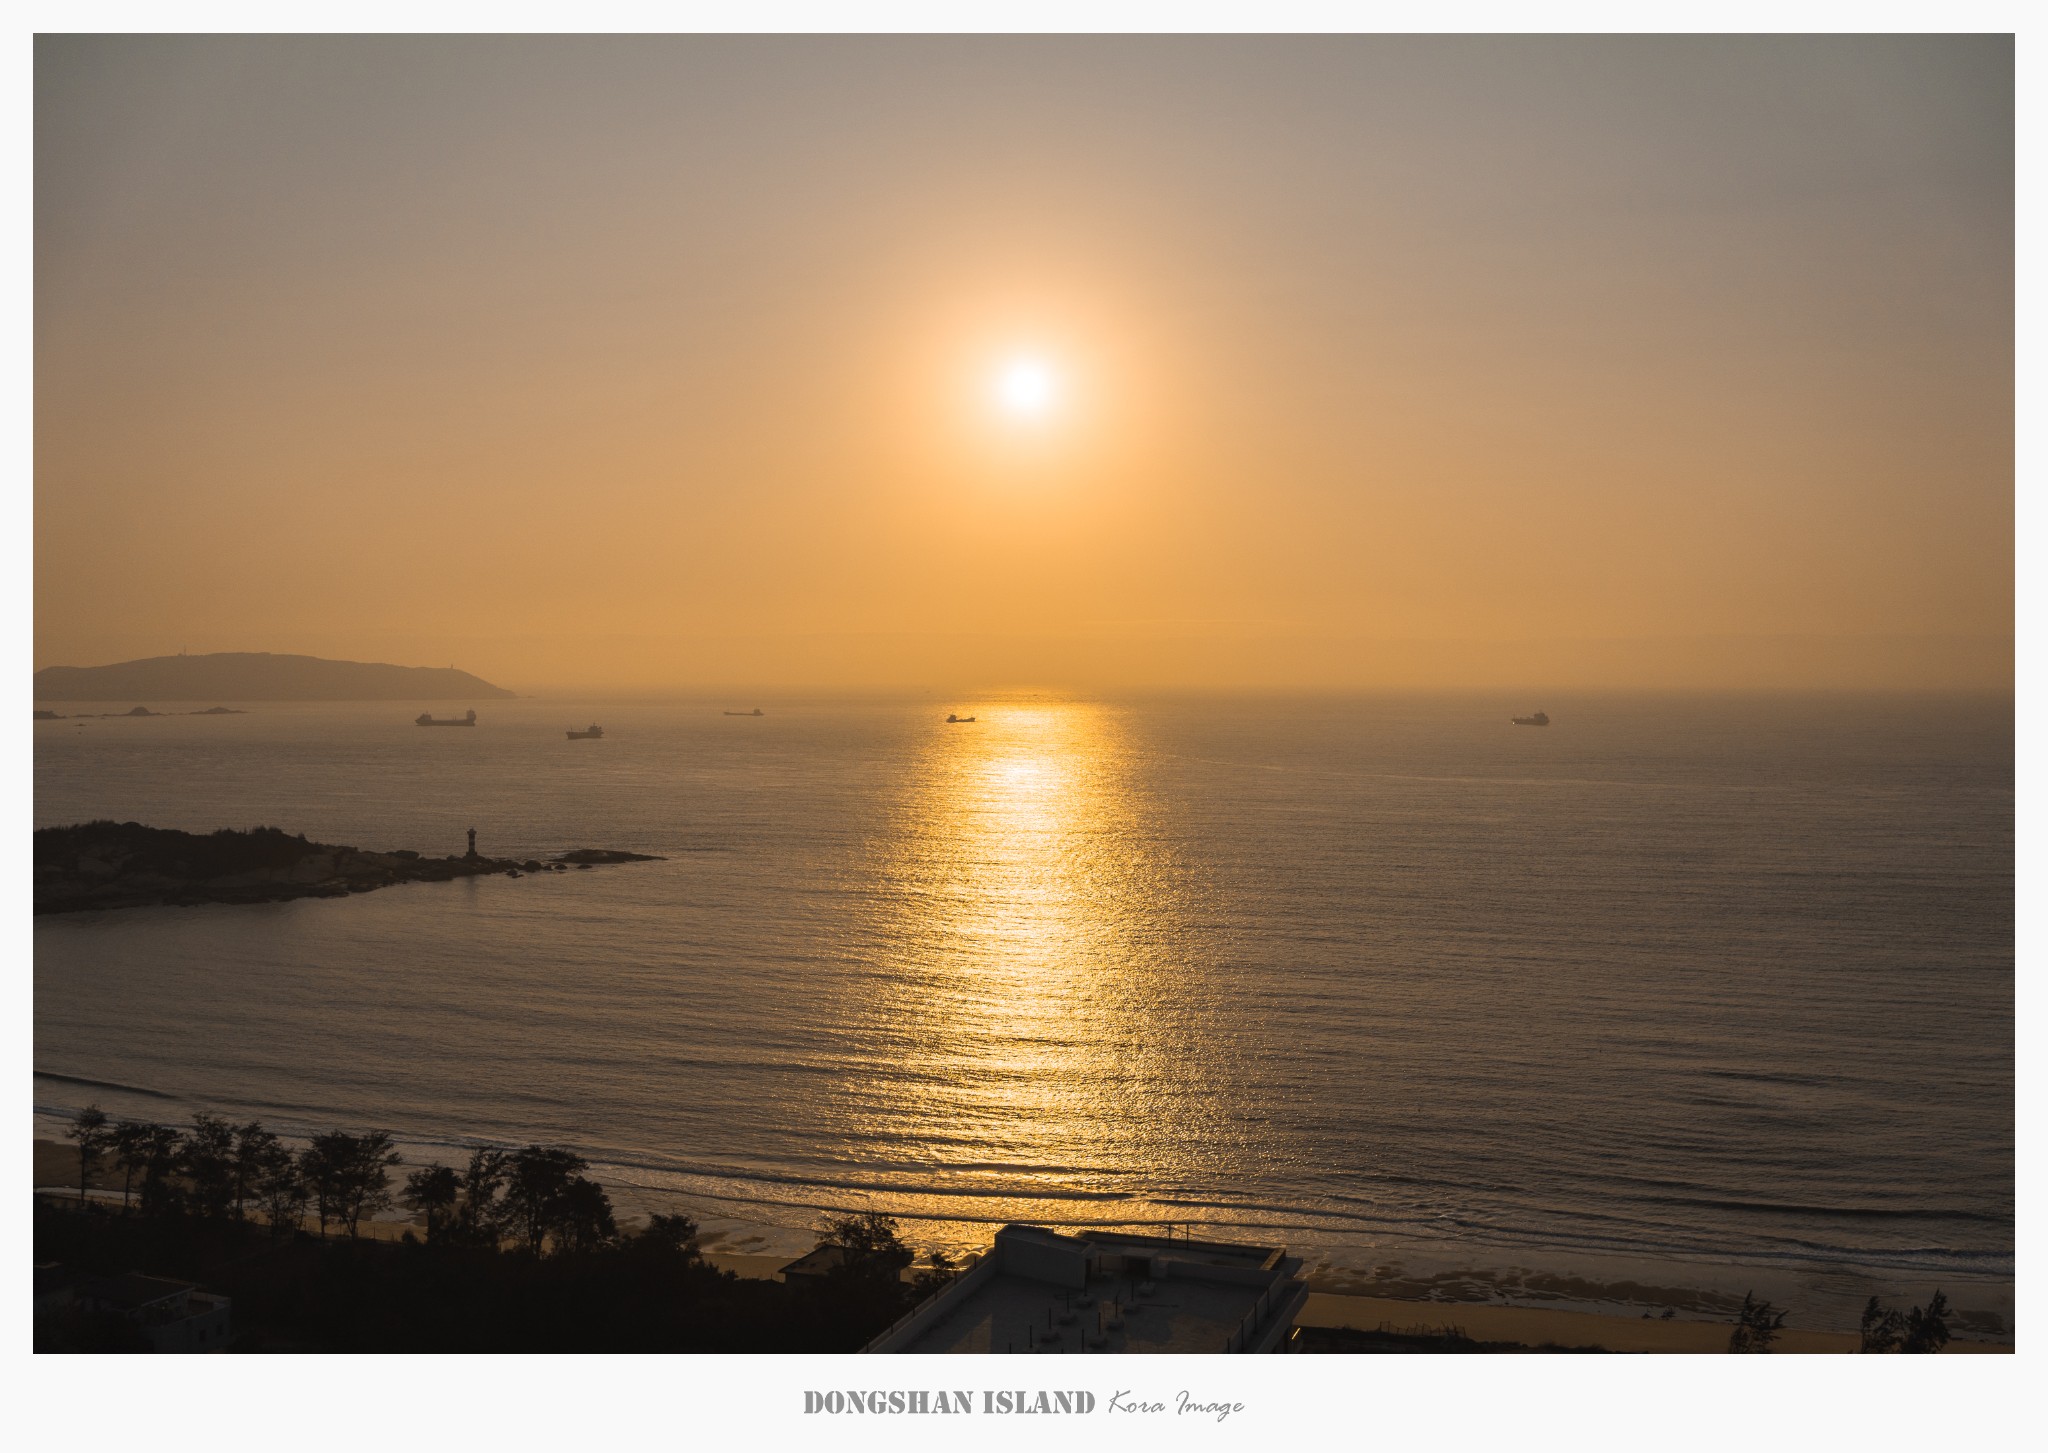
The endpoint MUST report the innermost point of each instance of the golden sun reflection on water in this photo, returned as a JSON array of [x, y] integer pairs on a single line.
[[1033, 1038]]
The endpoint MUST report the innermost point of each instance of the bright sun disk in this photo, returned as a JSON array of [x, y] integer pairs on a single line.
[[1026, 387]]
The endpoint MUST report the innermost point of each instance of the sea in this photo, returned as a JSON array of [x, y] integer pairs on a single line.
[[1677, 998]]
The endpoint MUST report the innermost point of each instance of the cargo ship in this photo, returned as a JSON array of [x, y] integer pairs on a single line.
[[594, 733], [1539, 719], [428, 719]]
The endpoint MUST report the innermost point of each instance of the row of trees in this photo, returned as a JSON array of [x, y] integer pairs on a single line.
[[1884, 1329], [220, 1170], [647, 1290], [520, 1253], [538, 1198]]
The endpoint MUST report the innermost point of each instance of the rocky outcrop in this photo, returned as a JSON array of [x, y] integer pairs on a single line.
[[99, 865]]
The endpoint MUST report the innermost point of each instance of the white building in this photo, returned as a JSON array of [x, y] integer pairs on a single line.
[[1108, 1291]]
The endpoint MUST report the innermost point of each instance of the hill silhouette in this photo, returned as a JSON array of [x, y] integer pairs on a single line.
[[258, 676]]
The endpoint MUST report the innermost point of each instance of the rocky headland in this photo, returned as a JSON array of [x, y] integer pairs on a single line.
[[126, 865]]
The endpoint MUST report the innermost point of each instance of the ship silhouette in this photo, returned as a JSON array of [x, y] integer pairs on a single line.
[[429, 719], [593, 734], [1539, 719]]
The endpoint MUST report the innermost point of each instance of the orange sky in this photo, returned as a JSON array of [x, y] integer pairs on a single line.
[[659, 363]]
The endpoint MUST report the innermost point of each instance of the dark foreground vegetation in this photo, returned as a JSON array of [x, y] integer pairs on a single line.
[[1921, 1329], [106, 864], [1883, 1328], [521, 1253]]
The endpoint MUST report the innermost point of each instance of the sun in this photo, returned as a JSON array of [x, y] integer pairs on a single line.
[[1027, 388]]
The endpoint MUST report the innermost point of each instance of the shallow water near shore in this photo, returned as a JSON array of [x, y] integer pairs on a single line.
[[1672, 998]]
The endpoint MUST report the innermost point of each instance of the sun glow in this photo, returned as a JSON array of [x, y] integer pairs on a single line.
[[1027, 387]]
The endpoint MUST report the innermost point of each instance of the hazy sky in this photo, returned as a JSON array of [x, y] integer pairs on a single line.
[[655, 362]]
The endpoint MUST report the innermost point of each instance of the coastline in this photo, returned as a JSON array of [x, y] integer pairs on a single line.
[[1335, 1300]]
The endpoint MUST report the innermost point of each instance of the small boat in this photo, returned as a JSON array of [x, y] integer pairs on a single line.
[[1539, 719], [428, 719], [591, 735], [953, 720], [755, 712]]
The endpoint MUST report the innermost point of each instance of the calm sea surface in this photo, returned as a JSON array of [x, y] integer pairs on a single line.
[[1676, 992]]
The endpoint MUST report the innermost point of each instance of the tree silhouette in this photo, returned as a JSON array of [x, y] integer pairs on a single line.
[[870, 1242], [281, 1184], [322, 1168], [583, 1217], [1882, 1328], [481, 1217], [160, 1150], [1756, 1326], [1885, 1329], [1927, 1331], [369, 1183], [255, 1150], [128, 1138], [433, 1192], [209, 1164], [868, 1281], [940, 1273], [538, 1184], [94, 1136], [677, 1233], [349, 1176]]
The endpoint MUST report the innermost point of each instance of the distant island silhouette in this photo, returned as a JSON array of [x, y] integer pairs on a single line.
[[107, 864], [258, 676], [137, 711]]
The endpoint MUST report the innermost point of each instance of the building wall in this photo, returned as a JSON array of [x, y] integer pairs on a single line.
[[1063, 1263], [204, 1328]]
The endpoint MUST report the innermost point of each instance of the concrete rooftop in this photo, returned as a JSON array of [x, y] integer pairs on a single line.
[[1126, 1294]]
